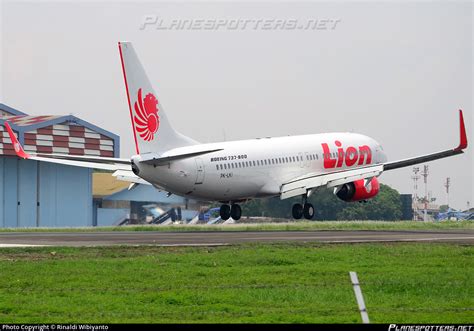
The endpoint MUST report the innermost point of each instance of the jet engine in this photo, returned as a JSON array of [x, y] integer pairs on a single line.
[[357, 191]]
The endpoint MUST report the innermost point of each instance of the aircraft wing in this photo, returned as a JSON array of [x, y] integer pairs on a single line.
[[105, 163], [301, 185], [434, 156], [121, 167]]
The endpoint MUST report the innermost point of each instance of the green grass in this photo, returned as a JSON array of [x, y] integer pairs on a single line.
[[289, 226], [292, 283]]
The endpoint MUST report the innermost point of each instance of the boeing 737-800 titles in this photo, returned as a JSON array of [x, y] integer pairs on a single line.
[[237, 171]]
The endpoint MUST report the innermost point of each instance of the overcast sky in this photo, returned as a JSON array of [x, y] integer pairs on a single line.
[[396, 71]]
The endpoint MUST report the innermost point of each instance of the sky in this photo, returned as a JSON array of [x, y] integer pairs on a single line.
[[395, 71]]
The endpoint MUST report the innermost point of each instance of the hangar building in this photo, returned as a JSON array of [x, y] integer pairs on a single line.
[[38, 194]]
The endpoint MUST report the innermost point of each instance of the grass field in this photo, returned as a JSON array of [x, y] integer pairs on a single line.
[[404, 283], [290, 226]]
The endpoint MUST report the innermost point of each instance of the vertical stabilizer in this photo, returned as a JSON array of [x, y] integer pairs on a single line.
[[152, 131]]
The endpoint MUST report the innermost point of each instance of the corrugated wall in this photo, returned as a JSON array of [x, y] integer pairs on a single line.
[[43, 194]]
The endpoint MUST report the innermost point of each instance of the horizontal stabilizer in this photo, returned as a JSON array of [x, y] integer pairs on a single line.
[[157, 161]]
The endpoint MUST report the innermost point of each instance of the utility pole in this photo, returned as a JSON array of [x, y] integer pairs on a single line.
[[415, 178], [447, 184], [425, 179]]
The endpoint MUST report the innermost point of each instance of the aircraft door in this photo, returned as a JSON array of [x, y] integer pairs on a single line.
[[200, 171]]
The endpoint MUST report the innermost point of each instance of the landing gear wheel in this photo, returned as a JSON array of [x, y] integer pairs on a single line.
[[308, 211], [224, 212], [235, 212], [297, 211]]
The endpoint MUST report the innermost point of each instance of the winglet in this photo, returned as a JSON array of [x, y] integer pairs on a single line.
[[463, 136], [16, 144]]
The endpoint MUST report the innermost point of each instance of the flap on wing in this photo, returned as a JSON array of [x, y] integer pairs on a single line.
[[300, 185]]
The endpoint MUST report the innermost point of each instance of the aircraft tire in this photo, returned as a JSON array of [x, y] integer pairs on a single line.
[[308, 211], [297, 211], [235, 212], [224, 212]]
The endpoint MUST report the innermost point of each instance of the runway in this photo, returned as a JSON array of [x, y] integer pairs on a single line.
[[77, 239]]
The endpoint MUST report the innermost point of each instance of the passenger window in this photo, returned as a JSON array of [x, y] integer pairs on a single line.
[[253, 163]]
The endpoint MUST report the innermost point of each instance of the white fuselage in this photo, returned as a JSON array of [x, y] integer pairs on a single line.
[[254, 168]]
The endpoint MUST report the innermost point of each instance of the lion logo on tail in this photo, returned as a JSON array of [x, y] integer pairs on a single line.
[[146, 116]]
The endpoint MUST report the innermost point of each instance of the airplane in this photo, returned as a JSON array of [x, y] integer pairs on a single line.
[[236, 171]]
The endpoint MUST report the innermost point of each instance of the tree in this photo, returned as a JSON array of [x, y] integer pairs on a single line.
[[443, 208], [387, 205]]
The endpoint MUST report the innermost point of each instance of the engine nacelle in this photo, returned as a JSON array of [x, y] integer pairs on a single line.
[[357, 191]]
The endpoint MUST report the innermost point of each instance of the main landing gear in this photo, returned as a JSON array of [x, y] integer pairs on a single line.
[[233, 211], [303, 209]]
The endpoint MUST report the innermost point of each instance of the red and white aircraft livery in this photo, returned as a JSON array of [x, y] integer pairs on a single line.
[[236, 171]]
